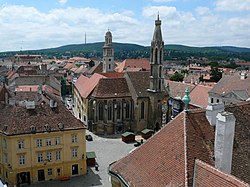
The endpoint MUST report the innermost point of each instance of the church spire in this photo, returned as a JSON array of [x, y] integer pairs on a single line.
[[156, 59]]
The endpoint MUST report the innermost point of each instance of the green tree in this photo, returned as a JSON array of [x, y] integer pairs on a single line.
[[63, 87], [177, 77], [215, 74]]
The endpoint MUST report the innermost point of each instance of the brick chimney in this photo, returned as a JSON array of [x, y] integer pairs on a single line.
[[212, 110], [224, 139]]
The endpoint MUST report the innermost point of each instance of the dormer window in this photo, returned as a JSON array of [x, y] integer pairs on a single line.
[[47, 127]]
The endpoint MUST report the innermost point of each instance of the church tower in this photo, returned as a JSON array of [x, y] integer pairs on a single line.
[[156, 80], [108, 54], [156, 59]]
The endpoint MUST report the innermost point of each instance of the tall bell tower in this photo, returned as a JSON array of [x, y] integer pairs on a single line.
[[108, 54], [156, 59], [156, 80]]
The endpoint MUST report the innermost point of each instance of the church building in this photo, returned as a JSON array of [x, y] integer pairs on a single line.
[[127, 101]]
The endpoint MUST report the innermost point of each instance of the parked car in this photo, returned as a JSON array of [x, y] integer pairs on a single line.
[[89, 137]]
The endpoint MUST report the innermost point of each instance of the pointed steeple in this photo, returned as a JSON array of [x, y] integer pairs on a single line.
[[156, 59], [157, 33]]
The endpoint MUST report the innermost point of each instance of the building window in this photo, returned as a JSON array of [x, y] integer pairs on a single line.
[[109, 112], [74, 138], [156, 56], [49, 171], [5, 158], [57, 141], [58, 155], [159, 84], [218, 100], [118, 111], [39, 157], [48, 141], [21, 160], [127, 110], [212, 100], [100, 109], [20, 144], [39, 142], [160, 71], [142, 110], [74, 152], [5, 143], [49, 156]]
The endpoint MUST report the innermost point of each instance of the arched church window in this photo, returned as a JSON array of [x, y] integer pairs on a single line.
[[100, 111], [160, 70], [160, 56], [156, 56], [118, 111], [109, 111], [127, 109], [159, 84]]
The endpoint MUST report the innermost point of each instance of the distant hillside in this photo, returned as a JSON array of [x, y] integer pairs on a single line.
[[125, 50]]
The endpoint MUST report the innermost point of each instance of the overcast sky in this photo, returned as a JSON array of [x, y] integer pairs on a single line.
[[38, 24]]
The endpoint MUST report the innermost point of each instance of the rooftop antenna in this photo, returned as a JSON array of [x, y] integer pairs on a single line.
[[85, 38]]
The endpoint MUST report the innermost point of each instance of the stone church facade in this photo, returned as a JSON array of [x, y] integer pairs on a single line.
[[130, 101]]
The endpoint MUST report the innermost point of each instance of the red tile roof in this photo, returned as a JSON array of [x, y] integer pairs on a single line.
[[19, 120], [28, 88], [206, 175], [133, 63], [177, 89], [170, 154], [229, 83], [111, 88], [112, 74], [86, 85], [156, 163], [199, 96]]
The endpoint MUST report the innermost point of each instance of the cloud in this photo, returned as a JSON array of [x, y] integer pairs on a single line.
[[62, 2], [232, 5], [28, 28], [202, 10]]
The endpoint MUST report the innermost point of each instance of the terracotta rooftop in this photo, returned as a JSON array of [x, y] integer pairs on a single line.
[[18, 120], [229, 83], [167, 158], [199, 95], [206, 175], [86, 85], [127, 64], [112, 74], [28, 88], [97, 68], [111, 88], [139, 81], [177, 89]]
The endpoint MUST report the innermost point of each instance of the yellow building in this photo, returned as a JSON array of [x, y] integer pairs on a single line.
[[40, 142], [81, 91]]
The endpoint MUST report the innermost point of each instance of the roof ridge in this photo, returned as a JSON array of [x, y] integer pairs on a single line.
[[217, 170], [185, 148]]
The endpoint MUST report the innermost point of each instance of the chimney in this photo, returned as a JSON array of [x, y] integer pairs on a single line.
[[243, 75], [212, 110], [224, 139]]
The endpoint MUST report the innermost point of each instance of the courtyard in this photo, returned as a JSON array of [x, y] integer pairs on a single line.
[[108, 150]]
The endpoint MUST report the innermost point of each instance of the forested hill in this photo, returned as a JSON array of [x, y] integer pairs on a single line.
[[126, 50]]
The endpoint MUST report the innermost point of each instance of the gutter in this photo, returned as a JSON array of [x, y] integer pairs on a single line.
[[117, 176]]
